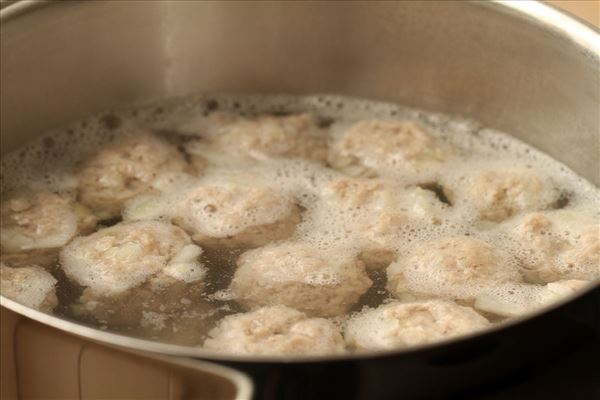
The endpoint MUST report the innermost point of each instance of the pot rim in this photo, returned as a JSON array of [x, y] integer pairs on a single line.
[[583, 35]]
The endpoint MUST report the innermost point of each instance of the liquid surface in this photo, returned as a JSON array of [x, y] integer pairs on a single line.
[[291, 225]]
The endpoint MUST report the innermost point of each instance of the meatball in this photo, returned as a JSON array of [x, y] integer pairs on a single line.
[[398, 325], [371, 209], [369, 147], [30, 286], [381, 212], [259, 138], [377, 196], [223, 214], [34, 225], [377, 250], [559, 244], [125, 169], [498, 195], [233, 215], [276, 330], [515, 299], [455, 267], [301, 276], [131, 268]]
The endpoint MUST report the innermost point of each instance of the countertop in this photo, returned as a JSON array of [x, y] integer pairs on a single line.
[[588, 10]]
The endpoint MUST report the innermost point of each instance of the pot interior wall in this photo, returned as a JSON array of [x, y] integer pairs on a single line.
[[63, 61]]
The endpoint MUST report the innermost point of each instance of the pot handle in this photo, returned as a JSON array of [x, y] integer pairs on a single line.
[[189, 376], [39, 361]]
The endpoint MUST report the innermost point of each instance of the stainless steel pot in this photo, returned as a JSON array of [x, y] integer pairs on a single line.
[[521, 67]]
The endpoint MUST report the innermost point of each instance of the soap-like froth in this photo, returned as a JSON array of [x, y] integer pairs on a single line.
[[124, 256], [276, 330], [31, 286], [124, 169], [298, 275], [456, 267], [398, 325]]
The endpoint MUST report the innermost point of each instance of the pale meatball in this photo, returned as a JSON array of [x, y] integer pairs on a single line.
[[370, 147], [236, 215], [35, 225], [559, 244], [300, 276], [498, 195], [30, 286], [125, 169], [228, 211], [224, 214], [516, 299], [259, 138], [381, 212], [370, 208], [399, 325], [131, 268], [377, 196], [455, 267], [377, 250], [276, 330]]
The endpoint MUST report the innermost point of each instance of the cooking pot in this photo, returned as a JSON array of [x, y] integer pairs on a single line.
[[517, 66]]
